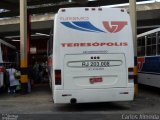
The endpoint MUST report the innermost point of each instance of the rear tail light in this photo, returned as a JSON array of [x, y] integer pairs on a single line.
[[1, 69], [130, 75], [49, 62], [58, 80]]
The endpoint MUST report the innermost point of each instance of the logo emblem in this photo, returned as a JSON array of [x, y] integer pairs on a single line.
[[115, 26], [140, 61]]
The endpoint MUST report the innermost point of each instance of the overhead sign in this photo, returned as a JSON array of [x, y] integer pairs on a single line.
[[33, 50]]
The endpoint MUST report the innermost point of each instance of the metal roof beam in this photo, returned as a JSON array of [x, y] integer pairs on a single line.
[[13, 24], [12, 1], [53, 8], [39, 2], [42, 10], [149, 22], [11, 13], [151, 14]]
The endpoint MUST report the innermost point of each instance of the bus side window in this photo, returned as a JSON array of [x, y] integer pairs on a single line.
[[148, 47], [151, 44], [158, 44], [141, 46], [154, 44]]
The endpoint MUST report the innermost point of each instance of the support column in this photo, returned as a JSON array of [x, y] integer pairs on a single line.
[[133, 16], [23, 44]]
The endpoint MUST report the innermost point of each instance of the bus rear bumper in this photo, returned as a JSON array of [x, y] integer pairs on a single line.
[[94, 95]]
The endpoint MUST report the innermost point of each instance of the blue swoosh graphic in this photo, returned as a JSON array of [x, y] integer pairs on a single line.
[[67, 24], [82, 25], [87, 25]]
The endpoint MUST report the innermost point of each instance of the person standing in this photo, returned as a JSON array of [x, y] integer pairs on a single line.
[[13, 81], [36, 72]]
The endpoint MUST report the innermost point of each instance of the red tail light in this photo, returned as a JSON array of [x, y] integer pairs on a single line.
[[58, 77], [130, 74], [1, 69]]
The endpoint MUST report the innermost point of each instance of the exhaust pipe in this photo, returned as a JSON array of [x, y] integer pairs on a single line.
[[73, 101]]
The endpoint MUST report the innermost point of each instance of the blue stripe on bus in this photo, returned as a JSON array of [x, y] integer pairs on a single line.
[[151, 65], [82, 26], [67, 24], [87, 25]]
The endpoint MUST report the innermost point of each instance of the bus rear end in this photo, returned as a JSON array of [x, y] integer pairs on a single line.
[[93, 56]]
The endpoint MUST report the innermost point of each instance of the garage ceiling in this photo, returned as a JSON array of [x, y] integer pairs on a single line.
[[43, 7]]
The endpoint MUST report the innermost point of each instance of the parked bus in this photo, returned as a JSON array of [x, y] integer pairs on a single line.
[[149, 58], [8, 54], [93, 55]]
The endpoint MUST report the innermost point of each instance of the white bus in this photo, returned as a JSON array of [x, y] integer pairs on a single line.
[[93, 55], [149, 58], [8, 54]]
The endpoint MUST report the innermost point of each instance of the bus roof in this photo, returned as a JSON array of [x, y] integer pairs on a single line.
[[148, 32]]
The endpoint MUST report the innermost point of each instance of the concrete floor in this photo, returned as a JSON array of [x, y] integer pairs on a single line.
[[40, 102]]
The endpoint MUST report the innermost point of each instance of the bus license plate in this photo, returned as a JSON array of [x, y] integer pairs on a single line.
[[95, 80], [95, 64]]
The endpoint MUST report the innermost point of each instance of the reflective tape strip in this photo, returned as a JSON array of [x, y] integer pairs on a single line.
[[131, 77], [24, 79], [135, 79], [135, 90], [130, 73], [135, 70], [23, 63]]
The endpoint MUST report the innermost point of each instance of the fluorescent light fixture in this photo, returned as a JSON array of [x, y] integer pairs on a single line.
[[42, 34], [15, 40], [3, 10], [5, 43], [145, 2], [34, 35], [9, 37], [127, 4]]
